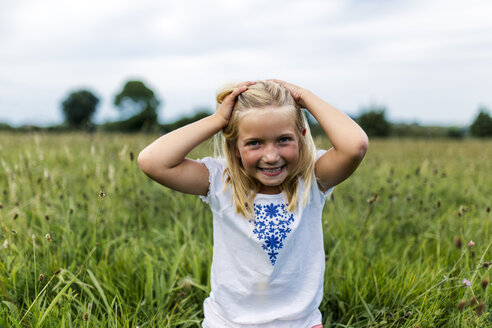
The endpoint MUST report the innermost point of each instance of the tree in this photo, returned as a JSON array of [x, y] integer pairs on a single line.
[[140, 102], [482, 126], [374, 122], [201, 113], [79, 107]]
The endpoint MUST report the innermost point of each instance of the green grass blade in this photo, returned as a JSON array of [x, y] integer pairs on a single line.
[[13, 309], [100, 291], [55, 300]]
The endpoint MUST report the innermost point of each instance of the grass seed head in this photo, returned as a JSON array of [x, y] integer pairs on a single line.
[[6, 244], [1, 206], [186, 283], [473, 301], [488, 209], [48, 237], [102, 195], [462, 210], [16, 216], [486, 264], [41, 277], [470, 244], [461, 305], [480, 309], [373, 199], [86, 316], [458, 242], [484, 283], [131, 156]]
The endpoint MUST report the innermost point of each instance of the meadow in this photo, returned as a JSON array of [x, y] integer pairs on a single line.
[[87, 240]]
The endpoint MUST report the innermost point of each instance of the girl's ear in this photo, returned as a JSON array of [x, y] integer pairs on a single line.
[[238, 155]]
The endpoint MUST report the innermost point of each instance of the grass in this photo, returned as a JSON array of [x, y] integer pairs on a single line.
[[124, 252]]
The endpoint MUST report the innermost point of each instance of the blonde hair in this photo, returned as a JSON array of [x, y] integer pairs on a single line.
[[264, 95]]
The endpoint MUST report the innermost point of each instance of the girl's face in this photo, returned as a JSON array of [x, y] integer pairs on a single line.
[[268, 146]]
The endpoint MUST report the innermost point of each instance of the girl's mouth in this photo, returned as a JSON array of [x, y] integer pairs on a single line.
[[272, 171]]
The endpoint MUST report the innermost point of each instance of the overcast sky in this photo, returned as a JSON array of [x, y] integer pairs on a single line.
[[426, 61]]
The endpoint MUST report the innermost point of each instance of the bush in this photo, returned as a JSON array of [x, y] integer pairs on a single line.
[[185, 121], [482, 126], [5, 127], [78, 109], [374, 123], [144, 121]]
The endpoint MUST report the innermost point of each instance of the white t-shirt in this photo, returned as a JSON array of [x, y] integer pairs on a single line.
[[267, 272]]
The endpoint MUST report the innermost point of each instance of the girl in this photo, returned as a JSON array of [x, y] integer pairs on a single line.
[[266, 194]]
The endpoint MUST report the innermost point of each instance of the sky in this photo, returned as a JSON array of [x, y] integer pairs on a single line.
[[428, 62]]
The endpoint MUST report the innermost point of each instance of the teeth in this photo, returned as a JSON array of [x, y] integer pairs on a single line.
[[272, 170]]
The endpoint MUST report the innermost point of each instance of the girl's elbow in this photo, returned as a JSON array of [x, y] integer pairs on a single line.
[[360, 148], [364, 144], [143, 161]]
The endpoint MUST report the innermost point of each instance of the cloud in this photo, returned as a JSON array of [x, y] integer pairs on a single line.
[[414, 56]]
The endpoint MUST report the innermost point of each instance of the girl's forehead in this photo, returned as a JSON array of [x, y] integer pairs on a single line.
[[269, 113], [265, 122]]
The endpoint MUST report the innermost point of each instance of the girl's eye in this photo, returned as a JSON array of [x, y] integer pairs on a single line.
[[253, 143], [284, 139]]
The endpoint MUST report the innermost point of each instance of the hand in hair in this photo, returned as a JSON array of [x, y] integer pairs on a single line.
[[295, 91], [224, 111]]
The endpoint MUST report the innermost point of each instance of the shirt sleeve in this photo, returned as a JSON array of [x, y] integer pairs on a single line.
[[216, 170], [327, 193]]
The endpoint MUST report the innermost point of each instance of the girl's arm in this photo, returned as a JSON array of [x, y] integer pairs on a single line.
[[165, 159], [349, 141]]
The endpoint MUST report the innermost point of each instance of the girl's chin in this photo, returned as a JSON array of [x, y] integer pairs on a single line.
[[271, 184]]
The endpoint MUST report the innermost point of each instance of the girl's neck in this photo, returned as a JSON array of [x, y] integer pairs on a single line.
[[267, 190]]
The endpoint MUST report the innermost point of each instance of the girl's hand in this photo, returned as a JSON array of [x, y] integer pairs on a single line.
[[295, 91], [225, 109]]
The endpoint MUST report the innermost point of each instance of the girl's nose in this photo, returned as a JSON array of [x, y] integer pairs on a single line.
[[271, 154]]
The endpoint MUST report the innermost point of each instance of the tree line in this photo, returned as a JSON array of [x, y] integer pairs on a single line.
[[375, 124], [138, 105]]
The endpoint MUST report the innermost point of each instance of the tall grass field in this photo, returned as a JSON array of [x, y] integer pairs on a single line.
[[87, 240]]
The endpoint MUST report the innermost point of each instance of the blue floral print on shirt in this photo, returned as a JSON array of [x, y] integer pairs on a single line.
[[272, 223]]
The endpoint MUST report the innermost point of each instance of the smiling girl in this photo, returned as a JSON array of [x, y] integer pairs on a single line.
[[266, 192]]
